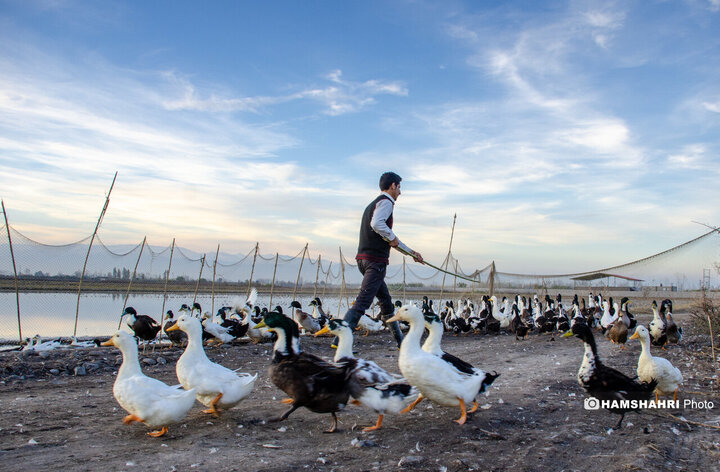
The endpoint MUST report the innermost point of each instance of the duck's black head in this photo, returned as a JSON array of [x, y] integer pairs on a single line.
[[278, 309], [624, 301], [336, 324], [196, 306], [184, 306], [431, 318], [296, 304], [583, 331], [170, 314], [313, 302], [398, 303], [575, 300], [130, 311], [286, 329]]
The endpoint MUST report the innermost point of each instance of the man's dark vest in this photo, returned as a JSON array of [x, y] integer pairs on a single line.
[[372, 246]]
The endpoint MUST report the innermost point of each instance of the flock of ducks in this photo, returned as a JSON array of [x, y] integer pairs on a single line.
[[427, 371]]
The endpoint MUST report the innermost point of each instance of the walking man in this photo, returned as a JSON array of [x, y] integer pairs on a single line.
[[376, 239]]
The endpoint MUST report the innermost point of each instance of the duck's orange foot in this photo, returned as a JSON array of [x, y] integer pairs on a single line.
[[157, 434], [463, 416], [131, 418], [377, 426], [412, 406], [474, 407]]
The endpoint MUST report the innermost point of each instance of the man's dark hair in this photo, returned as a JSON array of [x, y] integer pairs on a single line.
[[389, 178]]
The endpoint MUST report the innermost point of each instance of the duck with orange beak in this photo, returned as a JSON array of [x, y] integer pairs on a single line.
[[147, 400]]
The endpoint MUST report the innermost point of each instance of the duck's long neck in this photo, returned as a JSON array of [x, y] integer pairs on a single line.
[[645, 343], [656, 316], [345, 344], [286, 344], [433, 343], [411, 342], [195, 342], [131, 363]]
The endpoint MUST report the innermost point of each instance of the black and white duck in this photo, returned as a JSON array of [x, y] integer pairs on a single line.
[[368, 383], [144, 327], [658, 326], [177, 337], [606, 383], [309, 381]]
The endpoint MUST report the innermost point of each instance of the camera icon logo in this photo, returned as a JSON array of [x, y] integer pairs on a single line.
[[591, 403]]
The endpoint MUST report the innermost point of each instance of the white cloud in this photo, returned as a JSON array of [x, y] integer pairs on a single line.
[[342, 97]]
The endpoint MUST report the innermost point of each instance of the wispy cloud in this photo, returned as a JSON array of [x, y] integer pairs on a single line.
[[339, 97]]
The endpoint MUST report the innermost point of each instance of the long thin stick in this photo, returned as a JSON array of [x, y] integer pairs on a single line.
[[317, 275], [272, 286], [212, 292], [438, 268], [127, 293], [87, 256], [12, 256], [167, 277], [252, 271], [197, 285], [297, 281], [447, 259]]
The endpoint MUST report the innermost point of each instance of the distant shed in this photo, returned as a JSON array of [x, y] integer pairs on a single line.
[[589, 278]]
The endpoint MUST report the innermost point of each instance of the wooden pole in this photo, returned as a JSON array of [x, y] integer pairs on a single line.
[[127, 293], [455, 278], [491, 278], [447, 259], [327, 276], [252, 271], [212, 291], [297, 280], [167, 277], [87, 256], [317, 275], [272, 286], [197, 284], [12, 256]]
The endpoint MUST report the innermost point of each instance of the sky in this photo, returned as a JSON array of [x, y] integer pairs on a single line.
[[567, 136]]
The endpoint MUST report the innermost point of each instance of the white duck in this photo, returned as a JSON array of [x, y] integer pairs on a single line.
[[37, 344], [219, 333], [503, 316], [369, 324], [607, 319], [650, 367], [433, 345], [431, 375], [217, 386], [369, 384], [148, 400]]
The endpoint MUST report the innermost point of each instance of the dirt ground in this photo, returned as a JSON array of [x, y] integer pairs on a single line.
[[532, 419]]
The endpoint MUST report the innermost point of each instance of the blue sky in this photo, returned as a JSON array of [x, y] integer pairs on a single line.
[[566, 135]]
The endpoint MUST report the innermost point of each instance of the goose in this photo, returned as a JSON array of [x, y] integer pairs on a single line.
[[147, 400], [603, 382], [309, 381], [434, 378], [369, 384], [668, 377], [217, 387]]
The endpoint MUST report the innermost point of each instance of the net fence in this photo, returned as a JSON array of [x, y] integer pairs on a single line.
[[82, 287]]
